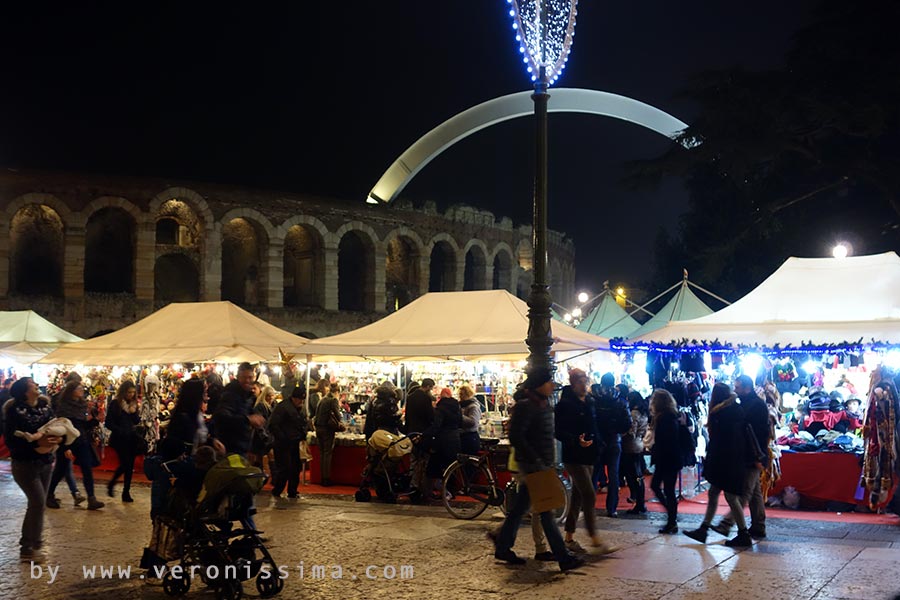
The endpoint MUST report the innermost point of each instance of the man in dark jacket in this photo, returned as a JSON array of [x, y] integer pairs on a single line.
[[531, 435], [234, 421], [288, 426], [612, 421], [756, 416], [576, 428], [419, 417]]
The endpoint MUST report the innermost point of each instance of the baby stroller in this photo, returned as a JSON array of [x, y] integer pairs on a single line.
[[387, 467], [210, 534]]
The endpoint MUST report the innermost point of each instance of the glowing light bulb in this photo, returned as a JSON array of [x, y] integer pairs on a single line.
[[583, 297], [840, 251]]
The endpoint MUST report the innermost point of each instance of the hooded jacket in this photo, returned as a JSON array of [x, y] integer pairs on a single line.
[[574, 418], [725, 455], [531, 432]]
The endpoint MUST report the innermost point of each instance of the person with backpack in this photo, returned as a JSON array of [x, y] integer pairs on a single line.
[[612, 421], [665, 454]]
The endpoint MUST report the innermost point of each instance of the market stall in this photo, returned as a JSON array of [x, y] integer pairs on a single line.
[[821, 349], [453, 337]]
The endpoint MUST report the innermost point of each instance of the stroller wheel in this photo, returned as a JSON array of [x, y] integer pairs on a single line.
[[175, 586], [269, 586], [230, 589], [363, 495]]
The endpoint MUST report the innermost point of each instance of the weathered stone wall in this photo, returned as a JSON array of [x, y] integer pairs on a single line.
[[260, 248]]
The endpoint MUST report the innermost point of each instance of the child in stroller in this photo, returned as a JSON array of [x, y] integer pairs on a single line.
[[387, 467], [206, 528]]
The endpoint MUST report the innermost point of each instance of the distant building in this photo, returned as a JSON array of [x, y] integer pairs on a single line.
[[95, 253]]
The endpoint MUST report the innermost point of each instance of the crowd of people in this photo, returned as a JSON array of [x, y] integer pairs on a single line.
[[604, 431]]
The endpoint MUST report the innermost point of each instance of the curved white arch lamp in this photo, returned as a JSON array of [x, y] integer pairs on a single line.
[[512, 106]]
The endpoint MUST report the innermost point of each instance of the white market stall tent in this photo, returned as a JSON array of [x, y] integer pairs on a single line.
[[477, 325], [26, 337], [183, 332], [806, 301]]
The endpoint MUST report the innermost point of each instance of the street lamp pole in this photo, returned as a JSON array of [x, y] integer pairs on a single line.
[[544, 30], [539, 338]]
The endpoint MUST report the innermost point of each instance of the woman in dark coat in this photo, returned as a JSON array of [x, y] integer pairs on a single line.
[[443, 436], [288, 426], [74, 406], [121, 419], [665, 454], [725, 457]]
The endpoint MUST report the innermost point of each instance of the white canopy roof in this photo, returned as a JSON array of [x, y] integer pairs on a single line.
[[26, 336], [609, 319], [807, 300], [683, 306], [183, 332], [490, 325]]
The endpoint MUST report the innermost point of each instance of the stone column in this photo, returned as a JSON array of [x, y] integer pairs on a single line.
[[5, 267], [330, 275], [424, 274], [488, 277], [144, 261], [73, 262], [275, 274], [376, 294], [460, 283], [211, 267]]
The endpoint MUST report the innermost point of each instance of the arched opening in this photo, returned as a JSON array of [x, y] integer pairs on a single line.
[[243, 263], [175, 279], [36, 247], [442, 270], [109, 252], [475, 274], [356, 273], [401, 273], [303, 267], [167, 231], [502, 271]]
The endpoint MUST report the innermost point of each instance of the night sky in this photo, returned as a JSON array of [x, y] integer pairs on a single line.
[[322, 97]]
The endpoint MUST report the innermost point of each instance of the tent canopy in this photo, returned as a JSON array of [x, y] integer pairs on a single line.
[[683, 306], [608, 319], [489, 325], [807, 300], [26, 336], [183, 332]]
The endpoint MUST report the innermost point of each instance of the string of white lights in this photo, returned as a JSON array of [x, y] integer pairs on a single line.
[[544, 30]]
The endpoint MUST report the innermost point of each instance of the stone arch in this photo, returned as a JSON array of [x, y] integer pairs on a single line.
[[443, 256], [110, 246], [402, 267], [303, 265], [308, 220], [357, 246], [61, 208], [512, 106], [190, 197], [504, 268], [176, 279], [251, 214], [178, 224], [525, 255], [245, 243], [476, 266], [36, 251]]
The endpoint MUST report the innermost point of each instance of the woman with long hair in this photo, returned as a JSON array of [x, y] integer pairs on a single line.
[[633, 452], [469, 440], [665, 454], [122, 417], [74, 406]]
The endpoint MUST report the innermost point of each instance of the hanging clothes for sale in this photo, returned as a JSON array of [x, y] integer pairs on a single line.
[[880, 434]]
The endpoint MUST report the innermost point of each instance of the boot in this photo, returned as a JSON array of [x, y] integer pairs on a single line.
[[78, 498], [111, 488], [52, 502], [698, 534], [94, 504], [742, 540], [670, 528], [126, 497]]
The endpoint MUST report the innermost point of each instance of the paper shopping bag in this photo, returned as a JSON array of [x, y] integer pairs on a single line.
[[545, 490]]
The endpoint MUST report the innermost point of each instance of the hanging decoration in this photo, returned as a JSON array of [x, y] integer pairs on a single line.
[[879, 468]]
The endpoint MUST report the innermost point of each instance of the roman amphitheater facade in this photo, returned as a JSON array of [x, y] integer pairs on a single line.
[[95, 253]]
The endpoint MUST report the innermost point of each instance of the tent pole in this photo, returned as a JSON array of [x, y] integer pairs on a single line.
[[308, 368], [705, 291]]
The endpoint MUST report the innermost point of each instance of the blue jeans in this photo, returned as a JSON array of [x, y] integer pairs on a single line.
[[62, 470], [506, 539], [609, 459]]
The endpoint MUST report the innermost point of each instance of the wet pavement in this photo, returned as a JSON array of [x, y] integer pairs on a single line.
[[405, 552]]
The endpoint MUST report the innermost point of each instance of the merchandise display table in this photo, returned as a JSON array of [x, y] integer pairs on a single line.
[[821, 475]]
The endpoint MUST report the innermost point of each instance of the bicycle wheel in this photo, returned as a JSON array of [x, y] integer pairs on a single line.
[[464, 498], [561, 513]]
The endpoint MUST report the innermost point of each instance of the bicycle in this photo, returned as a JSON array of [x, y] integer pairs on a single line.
[[560, 513], [470, 485]]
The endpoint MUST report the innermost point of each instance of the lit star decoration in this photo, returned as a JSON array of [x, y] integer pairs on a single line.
[[544, 30]]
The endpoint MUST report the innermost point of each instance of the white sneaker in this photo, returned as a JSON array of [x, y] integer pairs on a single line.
[[574, 547], [602, 548]]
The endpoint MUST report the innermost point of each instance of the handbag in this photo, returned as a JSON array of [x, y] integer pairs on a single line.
[[545, 490], [335, 423]]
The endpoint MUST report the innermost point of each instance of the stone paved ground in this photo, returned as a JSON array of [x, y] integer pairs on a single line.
[[452, 560]]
